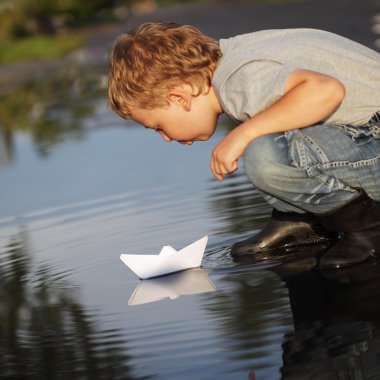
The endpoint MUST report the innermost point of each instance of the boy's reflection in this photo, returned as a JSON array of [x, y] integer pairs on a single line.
[[336, 324]]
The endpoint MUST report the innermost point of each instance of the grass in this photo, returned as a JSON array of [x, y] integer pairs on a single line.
[[38, 48]]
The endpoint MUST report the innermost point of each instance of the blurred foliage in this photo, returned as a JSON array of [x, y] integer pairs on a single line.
[[27, 27], [171, 2], [20, 18], [38, 47]]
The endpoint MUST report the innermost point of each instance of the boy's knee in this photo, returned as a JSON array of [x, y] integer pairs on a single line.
[[265, 160]]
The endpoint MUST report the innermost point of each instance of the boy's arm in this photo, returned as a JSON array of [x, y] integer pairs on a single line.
[[309, 98]]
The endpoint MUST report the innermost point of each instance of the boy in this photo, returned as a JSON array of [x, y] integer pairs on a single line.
[[306, 103]]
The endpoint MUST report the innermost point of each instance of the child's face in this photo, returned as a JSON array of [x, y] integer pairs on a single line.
[[186, 119]]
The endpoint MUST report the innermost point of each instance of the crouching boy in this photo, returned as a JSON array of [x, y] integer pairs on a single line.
[[306, 103]]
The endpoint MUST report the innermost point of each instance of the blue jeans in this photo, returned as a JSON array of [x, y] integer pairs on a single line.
[[315, 169]]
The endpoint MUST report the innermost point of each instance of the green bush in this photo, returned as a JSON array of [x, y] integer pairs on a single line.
[[39, 47], [19, 18]]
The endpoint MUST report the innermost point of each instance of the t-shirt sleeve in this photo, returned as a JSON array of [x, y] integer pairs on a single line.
[[254, 87]]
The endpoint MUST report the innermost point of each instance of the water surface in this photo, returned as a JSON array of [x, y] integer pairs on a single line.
[[80, 186]]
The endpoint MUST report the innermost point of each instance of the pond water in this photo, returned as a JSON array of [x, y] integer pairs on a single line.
[[79, 186]]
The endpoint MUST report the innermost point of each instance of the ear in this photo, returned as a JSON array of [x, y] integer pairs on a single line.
[[180, 96]]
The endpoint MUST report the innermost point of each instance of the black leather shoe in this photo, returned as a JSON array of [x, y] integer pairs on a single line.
[[359, 221], [285, 230]]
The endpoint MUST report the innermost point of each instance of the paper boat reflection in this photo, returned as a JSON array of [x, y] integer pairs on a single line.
[[167, 261], [192, 281]]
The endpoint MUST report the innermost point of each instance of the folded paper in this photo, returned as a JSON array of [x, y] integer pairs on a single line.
[[192, 281], [167, 261]]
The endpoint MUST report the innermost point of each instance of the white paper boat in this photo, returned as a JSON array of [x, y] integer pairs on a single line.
[[167, 261], [191, 281]]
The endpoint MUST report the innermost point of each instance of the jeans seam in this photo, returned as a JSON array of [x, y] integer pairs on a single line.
[[357, 164]]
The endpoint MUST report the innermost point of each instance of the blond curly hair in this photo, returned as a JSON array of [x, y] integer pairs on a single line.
[[153, 59]]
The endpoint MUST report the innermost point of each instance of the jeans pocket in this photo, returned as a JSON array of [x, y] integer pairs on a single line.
[[305, 153]]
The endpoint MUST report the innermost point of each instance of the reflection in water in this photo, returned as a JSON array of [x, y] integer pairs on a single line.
[[336, 324], [6, 146], [191, 281], [51, 109], [335, 328], [238, 205], [45, 333], [252, 314]]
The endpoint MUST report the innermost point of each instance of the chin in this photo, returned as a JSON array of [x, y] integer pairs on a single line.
[[205, 138]]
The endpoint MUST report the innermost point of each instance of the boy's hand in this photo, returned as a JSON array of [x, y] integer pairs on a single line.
[[225, 155]]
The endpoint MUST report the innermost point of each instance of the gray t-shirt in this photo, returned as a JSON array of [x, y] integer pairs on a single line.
[[251, 74]]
